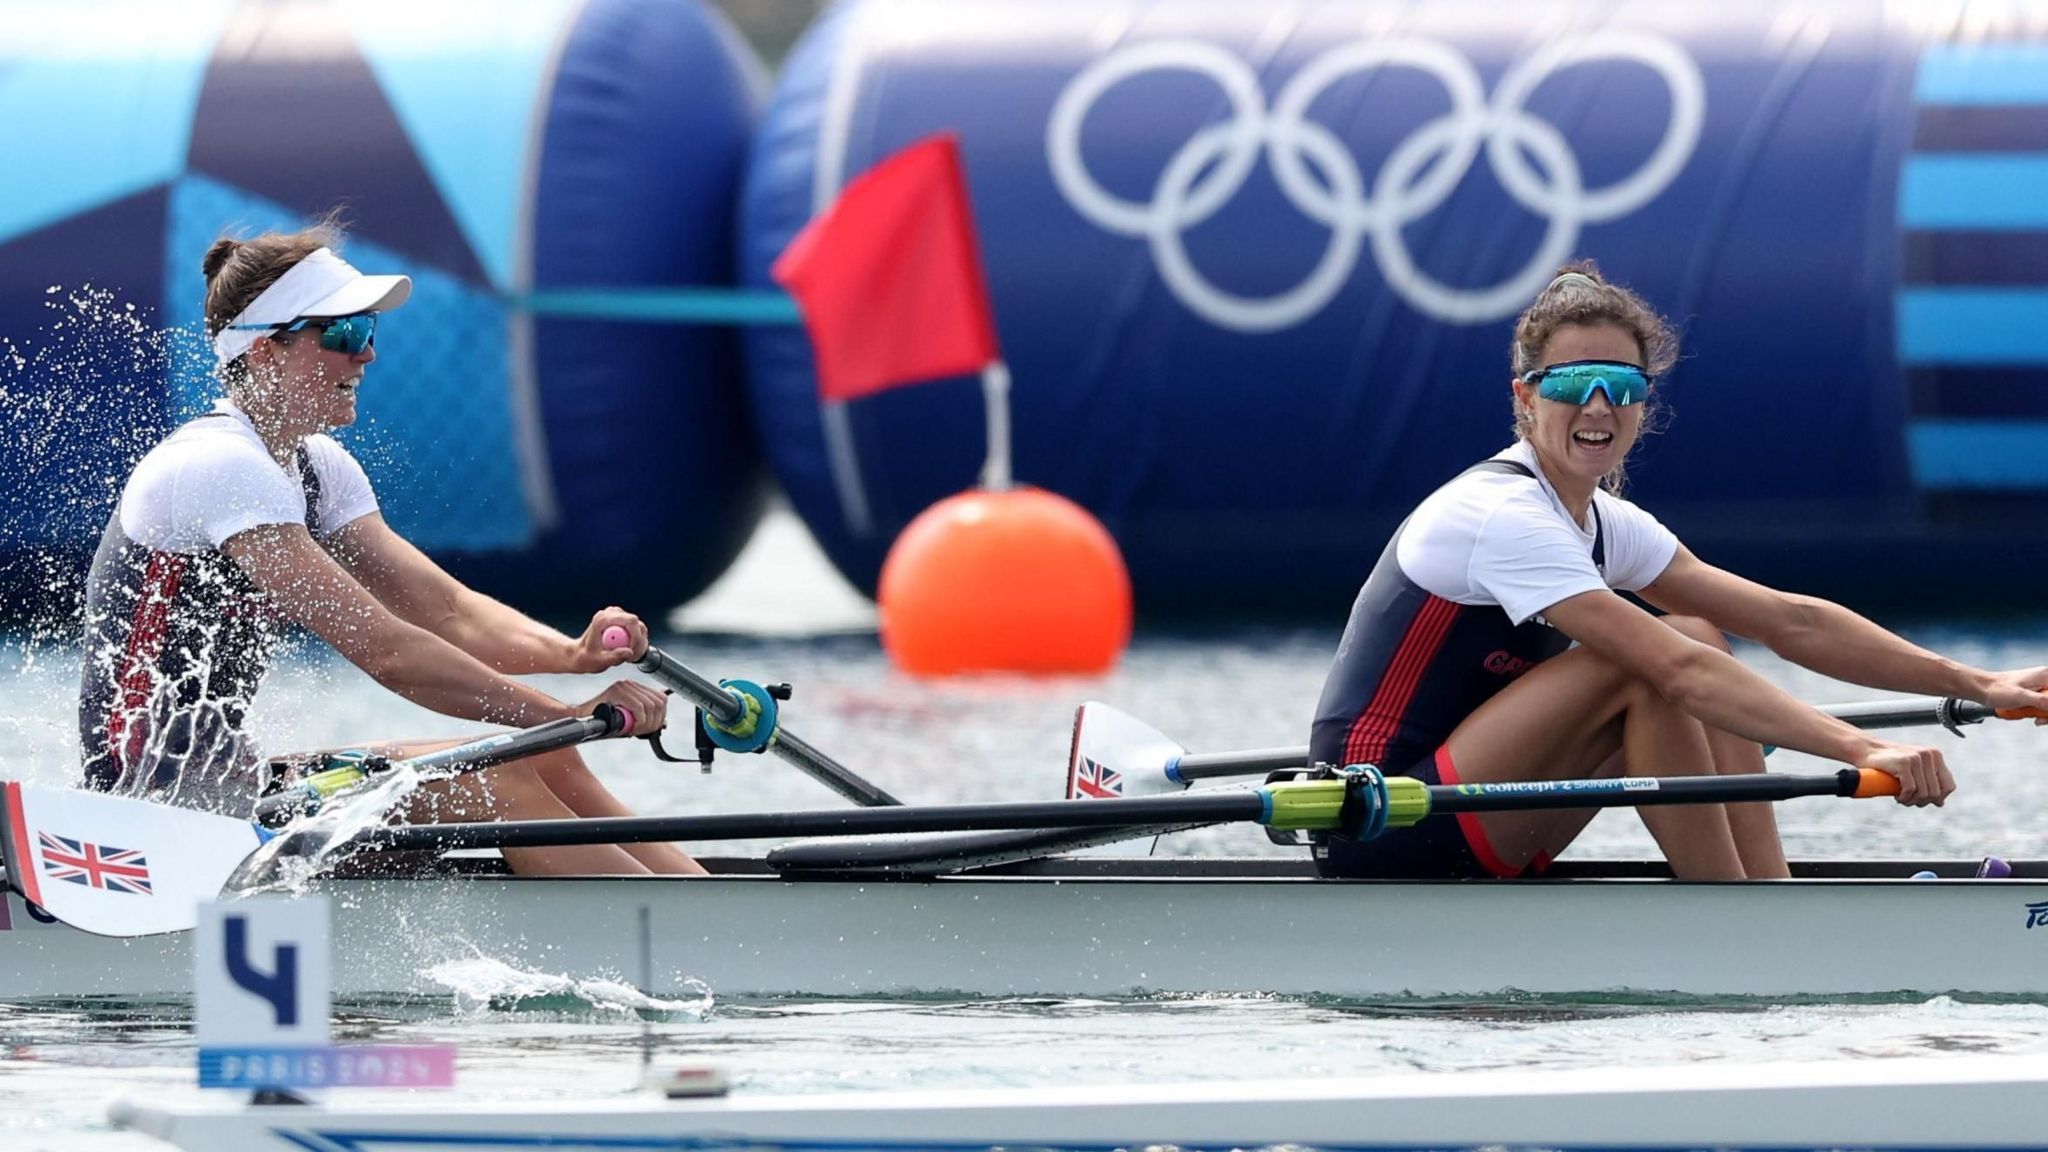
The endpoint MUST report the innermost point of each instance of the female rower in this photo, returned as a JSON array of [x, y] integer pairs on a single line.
[[250, 513], [1454, 669]]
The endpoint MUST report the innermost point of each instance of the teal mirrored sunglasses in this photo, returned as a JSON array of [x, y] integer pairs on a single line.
[[1573, 382], [348, 334]]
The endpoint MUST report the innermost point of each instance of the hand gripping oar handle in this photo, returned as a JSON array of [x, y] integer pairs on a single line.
[[306, 796], [744, 717], [1359, 804]]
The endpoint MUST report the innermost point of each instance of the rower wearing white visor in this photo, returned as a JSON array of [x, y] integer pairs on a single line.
[[251, 515], [1458, 664]]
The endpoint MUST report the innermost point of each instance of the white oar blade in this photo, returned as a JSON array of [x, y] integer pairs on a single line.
[[117, 866], [1115, 755]]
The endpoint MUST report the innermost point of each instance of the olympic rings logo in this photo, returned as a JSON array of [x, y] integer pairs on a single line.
[[1417, 177]]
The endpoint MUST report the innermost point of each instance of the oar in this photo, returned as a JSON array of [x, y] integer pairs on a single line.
[[118, 866], [1912, 712], [742, 716], [1164, 762], [307, 796], [1361, 805], [1116, 756]]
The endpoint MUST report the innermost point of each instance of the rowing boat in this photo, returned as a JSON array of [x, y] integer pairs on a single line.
[[984, 906], [1122, 927], [1926, 1103]]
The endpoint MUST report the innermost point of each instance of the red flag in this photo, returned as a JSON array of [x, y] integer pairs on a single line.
[[889, 278]]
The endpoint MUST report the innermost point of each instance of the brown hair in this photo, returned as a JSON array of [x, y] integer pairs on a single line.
[[1580, 295], [238, 271]]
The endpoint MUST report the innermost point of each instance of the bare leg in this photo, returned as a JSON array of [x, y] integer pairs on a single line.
[[1755, 826], [571, 780], [1579, 737], [1565, 824], [553, 786], [1662, 740], [1565, 719], [515, 792]]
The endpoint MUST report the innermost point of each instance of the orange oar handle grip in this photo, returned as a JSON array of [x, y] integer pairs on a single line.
[[1872, 782], [2021, 714]]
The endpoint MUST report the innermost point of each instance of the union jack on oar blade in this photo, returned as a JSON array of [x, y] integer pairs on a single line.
[[94, 865], [1095, 779]]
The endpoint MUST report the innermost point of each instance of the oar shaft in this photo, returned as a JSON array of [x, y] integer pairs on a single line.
[[483, 752], [722, 706], [1188, 768], [1183, 810], [716, 702], [1912, 712], [1320, 805], [831, 773], [1648, 791], [522, 742]]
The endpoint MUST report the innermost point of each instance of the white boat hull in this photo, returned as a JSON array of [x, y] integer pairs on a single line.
[[1126, 928], [1980, 1102]]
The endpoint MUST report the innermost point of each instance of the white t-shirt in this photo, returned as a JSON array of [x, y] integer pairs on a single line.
[[1496, 538], [211, 479]]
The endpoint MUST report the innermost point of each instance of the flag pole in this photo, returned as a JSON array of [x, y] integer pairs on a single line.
[[845, 468], [995, 394]]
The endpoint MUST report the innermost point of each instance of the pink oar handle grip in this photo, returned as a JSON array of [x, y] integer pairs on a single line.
[[625, 719], [616, 637]]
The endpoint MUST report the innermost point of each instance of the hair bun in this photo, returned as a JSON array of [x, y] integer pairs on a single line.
[[218, 255]]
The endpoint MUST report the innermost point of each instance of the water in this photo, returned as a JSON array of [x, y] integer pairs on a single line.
[[528, 1035]]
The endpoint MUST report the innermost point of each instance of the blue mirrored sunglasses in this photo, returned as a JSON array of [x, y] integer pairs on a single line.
[[1574, 382], [349, 334]]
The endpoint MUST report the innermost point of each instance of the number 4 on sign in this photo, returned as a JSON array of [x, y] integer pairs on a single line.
[[261, 978]]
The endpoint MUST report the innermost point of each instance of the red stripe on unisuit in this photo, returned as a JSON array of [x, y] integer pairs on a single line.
[[146, 633], [1468, 823], [1375, 727]]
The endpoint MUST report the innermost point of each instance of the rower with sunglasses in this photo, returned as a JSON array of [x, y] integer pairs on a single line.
[[252, 512], [1458, 663]]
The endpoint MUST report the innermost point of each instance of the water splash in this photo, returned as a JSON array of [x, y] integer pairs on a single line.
[[85, 397], [483, 984], [312, 845]]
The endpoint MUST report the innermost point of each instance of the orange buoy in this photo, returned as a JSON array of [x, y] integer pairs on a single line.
[[1019, 580]]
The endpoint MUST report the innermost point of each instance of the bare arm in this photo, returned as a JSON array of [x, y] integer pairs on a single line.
[[1718, 690], [1706, 682], [421, 592], [1830, 639], [309, 586]]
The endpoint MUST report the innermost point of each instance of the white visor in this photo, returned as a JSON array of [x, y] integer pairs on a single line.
[[318, 286]]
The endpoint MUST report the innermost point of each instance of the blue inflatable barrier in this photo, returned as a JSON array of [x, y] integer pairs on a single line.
[[495, 151], [1255, 272]]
